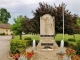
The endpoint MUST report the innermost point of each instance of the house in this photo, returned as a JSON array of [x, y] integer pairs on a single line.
[[5, 29]]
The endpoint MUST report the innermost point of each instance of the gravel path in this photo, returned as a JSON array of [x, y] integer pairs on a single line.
[[4, 47]]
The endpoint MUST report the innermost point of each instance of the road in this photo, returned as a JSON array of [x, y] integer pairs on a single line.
[[4, 47]]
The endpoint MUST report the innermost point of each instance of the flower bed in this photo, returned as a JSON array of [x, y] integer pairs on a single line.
[[24, 56], [69, 54]]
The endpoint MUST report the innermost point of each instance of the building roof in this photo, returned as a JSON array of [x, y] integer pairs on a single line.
[[5, 26]]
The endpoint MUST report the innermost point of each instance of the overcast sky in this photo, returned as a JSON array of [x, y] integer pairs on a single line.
[[25, 7]]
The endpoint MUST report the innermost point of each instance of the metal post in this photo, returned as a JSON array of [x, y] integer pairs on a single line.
[[63, 19]]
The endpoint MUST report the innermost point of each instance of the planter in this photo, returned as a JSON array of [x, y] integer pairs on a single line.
[[22, 58], [68, 57]]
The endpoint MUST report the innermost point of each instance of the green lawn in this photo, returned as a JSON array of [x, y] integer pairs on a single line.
[[77, 37], [57, 38], [36, 37], [66, 37]]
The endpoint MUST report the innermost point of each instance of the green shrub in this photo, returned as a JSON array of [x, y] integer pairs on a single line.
[[72, 45], [2, 33], [65, 43], [78, 47], [28, 43], [37, 41], [17, 45], [27, 38], [71, 39]]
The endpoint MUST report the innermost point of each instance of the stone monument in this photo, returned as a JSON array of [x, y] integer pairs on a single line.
[[47, 33]]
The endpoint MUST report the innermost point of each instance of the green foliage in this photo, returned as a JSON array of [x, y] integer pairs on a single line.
[[27, 38], [56, 11], [59, 42], [37, 41], [2, 33], [19, 45], [4, 15], [58, 37], [72, 45], [77, 37], [69, 39], [26, 25], [17, 26], [78, 47], [72, 39], [28, 43], [78, 21]]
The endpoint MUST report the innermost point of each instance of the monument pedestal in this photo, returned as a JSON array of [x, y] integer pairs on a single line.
[[47, 32], [47, 43]]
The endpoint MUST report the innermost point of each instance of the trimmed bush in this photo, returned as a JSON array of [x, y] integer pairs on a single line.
[[17, 45], [28, 43], [71, 39], [78, 48], [72, 45], [37, 41], [65, 43], [27, 38]]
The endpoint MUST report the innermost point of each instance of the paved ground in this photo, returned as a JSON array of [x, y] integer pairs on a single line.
[[4, 47], [44, 54]]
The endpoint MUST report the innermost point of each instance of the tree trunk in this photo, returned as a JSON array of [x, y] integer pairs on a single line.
[[20, 36]]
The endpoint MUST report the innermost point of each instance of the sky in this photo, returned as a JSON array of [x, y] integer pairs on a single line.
[[25, 7]]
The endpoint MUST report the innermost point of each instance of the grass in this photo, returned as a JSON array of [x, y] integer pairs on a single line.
[[66, 37], [58, 37], [36, 37], [77, 37]]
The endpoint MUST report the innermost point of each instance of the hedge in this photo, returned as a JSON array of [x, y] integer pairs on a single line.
[[37, 41], [72, 39], [72, 45], [65, 43], [78, 47], [19, 45], [27, 38]]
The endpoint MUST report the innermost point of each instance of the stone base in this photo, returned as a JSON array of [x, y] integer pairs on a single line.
[[47, 43]]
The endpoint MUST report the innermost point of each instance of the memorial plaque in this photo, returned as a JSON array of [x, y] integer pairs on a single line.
[[49, 44]]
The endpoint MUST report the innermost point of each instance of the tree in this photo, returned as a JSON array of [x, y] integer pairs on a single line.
[[78, 21], [77, 28], [28, 25], [4, 15], [17, 26], [56, 11]]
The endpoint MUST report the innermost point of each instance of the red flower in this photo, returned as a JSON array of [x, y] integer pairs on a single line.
[[70, 51], [29, 54], [16, 56]]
